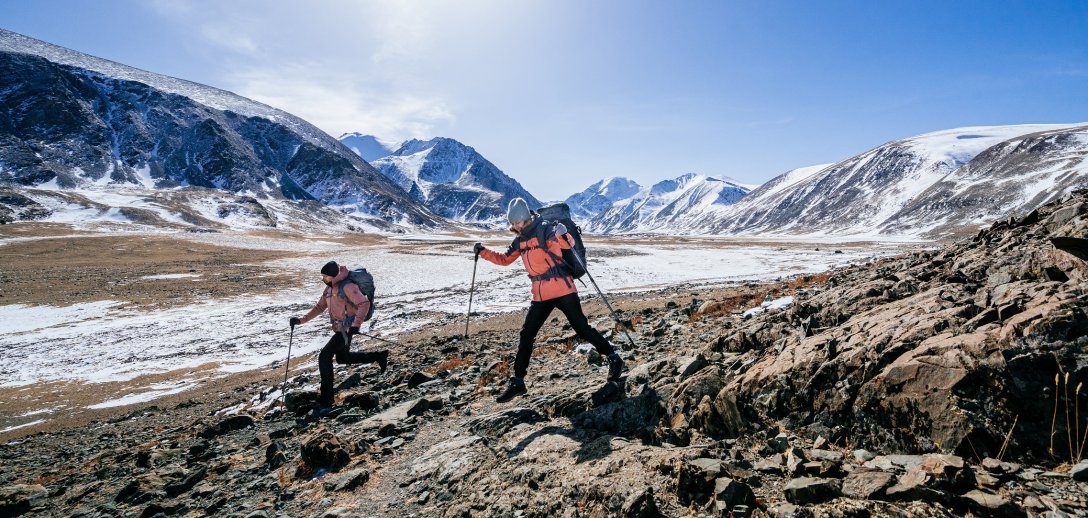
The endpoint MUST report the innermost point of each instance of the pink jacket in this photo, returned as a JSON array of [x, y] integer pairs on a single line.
[[340, 309]]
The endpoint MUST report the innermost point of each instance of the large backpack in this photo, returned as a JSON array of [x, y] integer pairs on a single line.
[[365, 282], [575, 257]]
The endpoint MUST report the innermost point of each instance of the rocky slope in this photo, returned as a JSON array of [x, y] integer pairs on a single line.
[[74, 121], [453, 180], [938, 383]]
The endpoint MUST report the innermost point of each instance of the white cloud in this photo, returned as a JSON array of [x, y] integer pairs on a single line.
[[340, 105]]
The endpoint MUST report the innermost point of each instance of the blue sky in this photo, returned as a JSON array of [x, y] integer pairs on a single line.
[[561, 93]]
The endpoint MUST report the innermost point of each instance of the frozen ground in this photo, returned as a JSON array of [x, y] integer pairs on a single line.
[[419, 281]]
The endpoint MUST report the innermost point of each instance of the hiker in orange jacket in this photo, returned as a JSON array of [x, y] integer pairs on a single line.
[[540, 246], [347, 310]]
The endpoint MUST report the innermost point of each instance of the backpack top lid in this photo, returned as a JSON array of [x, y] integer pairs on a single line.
[[555, 212]]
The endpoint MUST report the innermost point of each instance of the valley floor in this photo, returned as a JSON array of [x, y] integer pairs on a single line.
[[97, 322]]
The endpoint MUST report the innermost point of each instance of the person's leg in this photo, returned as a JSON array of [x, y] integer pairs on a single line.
[[538, 314], [345, 356], [572, 308], [534, 320], [324, 365]]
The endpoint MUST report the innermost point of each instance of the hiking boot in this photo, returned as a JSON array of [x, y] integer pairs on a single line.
[[383, 361], [615, 367], [514, 389]]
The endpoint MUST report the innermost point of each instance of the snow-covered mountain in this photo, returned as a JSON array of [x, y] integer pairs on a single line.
[[886, 190], [77, 122], [1013, 177], [668, 206], [369, 147], [600, 196], [453, 180]]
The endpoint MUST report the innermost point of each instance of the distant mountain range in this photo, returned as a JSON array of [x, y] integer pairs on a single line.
[[930, 186], [663, 206], [450, 178], [78, 123], [87, 140]]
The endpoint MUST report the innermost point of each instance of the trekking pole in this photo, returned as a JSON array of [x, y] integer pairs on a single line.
[[290, 342], [601, 293], [380, 339], [471, 289]]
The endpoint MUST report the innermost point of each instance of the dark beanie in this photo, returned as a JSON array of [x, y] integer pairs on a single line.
[[331, 269]]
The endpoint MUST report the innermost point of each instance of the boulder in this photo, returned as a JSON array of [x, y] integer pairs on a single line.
[[1079, 472], [810, 490], [867, 484], [347, 480], [418, 379], [322, 449], [689, 366], [301, 402], [362, 400], [695, 479], [640, 504], [19, 499], [729, 493], [987, 504], [227, 425]]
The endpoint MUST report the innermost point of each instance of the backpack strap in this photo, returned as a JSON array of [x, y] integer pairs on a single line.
[[348, 320], [559, 269]]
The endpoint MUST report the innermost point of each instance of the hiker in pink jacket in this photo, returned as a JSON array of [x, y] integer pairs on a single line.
[[347, 310]]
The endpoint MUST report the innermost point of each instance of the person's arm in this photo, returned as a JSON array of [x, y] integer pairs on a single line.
[[317, 310], [501, 259], [361, 303]]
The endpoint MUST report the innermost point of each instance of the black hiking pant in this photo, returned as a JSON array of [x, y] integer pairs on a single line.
[[339, 348], [538, 314]]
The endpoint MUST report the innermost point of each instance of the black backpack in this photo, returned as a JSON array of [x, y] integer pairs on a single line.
[[365, 281], [575, 257]]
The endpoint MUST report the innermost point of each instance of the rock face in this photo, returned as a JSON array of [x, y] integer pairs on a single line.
[[75, 121], [453, 180], [936, 350]]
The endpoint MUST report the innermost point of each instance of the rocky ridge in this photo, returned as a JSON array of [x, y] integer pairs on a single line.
[[920, 385]]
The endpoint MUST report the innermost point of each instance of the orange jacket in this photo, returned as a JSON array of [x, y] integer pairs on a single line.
[[549, 282]]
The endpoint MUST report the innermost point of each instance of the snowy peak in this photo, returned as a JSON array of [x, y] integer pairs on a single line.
[[600, 196], [452, 179], [668, 204], [368, 147]]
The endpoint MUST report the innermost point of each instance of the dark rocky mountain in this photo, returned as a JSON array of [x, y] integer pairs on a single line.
[[73, 121], [453, 180]]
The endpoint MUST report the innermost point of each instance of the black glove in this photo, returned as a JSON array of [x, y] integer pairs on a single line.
[[295, 321], [353, 330], [478, 248]]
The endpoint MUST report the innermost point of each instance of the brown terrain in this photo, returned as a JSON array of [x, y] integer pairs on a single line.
[[945, 382]]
